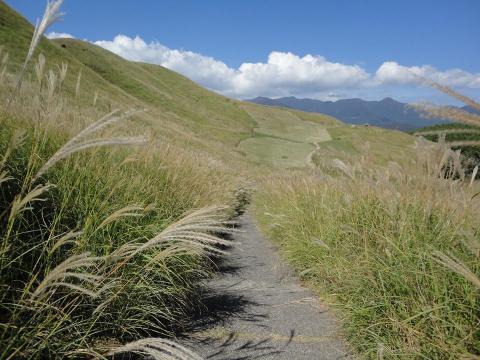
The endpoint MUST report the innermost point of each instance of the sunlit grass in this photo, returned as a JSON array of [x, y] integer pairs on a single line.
[[395, 249]]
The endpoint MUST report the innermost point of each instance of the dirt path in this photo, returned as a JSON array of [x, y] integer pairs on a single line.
[[258, 310], [309, 160]]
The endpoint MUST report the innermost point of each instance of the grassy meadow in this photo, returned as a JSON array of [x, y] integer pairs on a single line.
[[380, 246], [119, 179]]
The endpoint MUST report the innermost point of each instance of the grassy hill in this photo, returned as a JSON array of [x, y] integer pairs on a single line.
[[182, 111]]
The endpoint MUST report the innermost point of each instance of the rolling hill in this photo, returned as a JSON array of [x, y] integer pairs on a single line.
[[183, 112]]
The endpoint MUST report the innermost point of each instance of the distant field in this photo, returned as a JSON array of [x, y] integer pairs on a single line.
[[384, 145], [286, 125], [293, 139], [283, 138], [276, 152]]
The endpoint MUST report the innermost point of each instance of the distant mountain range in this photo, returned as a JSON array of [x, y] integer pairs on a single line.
[[387, 113]]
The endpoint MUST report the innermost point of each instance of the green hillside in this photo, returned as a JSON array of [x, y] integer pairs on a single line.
[[181, 110]]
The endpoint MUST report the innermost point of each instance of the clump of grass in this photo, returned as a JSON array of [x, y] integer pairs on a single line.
[[395, 248], [102, 253], [98, 245]]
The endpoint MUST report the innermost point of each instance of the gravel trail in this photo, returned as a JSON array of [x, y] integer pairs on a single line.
[[258, 310]]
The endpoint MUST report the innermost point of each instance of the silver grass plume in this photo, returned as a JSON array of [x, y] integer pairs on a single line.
[[67, 238], [157, 349], [95, 98], [80, 142], [127, 211], [194, 232], [40, 68], [346, 169], [4, 176], [474, 174], [3, 68], [62, 74], [457, 266], [52, 80], [77, 86], [17, 139], [51, 15], [56, 278], [20, 204]]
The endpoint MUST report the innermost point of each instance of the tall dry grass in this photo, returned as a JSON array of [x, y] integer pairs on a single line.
[[395, 249], [100, 246]]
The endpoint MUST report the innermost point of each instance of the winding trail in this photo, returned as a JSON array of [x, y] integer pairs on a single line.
[[258, 310], [309, 160]]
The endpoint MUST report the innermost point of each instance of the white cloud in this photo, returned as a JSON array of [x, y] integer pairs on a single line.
[[205, 70], [391, 72], [288, 74], [283, 74], [56, 35]]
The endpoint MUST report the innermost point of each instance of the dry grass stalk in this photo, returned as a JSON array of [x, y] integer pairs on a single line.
[[127, 211], [68, 238], [70, 269], [3, 68], [432, 111], [62, 74], [51, 15], [449, 91], [194, 232], [158, 349], [474, 175], [457, 266], [3, 63], [77, 86], [20, 204], [79, 142], [40, 68]]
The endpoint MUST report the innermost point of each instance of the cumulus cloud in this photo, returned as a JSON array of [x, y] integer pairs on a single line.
[[391, 72], [289, 74], [205, 70], [57, 35], [283, 74]]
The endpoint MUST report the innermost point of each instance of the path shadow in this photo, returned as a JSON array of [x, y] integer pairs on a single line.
[[234, 347], [227, 302]]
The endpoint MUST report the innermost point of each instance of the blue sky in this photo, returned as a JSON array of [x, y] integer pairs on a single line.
[[322, 49]]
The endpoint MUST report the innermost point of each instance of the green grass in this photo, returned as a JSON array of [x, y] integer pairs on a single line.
[[351, 140], [285, 124], [152, 293], [366, 245], [275, 152]]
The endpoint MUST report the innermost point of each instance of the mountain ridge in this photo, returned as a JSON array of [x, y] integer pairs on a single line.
[[387, 113]]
